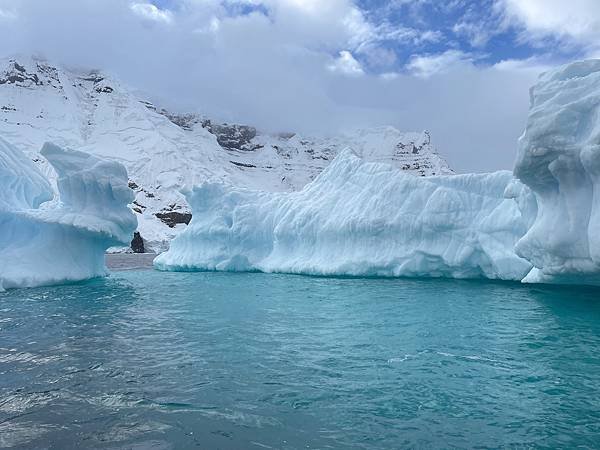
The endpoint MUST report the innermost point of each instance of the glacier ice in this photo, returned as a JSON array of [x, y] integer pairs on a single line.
[[357, 218], [559, 160], [63, 240]]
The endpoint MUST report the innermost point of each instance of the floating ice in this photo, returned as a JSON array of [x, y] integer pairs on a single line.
[[559, 160], [357, 218], [65, 241]]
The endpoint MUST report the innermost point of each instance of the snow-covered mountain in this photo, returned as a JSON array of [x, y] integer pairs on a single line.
[[164, 151]]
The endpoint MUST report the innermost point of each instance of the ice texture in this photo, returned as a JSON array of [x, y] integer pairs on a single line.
[[22, 186], [66, 239], [357, 218], [559, 160]]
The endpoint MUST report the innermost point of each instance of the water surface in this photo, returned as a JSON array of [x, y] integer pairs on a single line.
[[145, 359]]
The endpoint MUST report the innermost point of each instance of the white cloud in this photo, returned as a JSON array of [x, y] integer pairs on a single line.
[[575, 19], [346, 64], [534, 65], [152, 13], [277, 71], [425, 66], [477, 34], [7, 12]]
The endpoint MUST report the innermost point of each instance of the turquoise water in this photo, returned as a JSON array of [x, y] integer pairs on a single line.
[[212, 360]]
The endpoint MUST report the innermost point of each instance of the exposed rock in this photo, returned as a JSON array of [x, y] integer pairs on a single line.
[[233, 137], [137, 243], [172, 218], [239, 164], [185, 121], [93, 77], [104, 89], [16, 74]]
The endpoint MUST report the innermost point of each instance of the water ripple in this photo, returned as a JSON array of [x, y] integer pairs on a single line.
[[152, 360]]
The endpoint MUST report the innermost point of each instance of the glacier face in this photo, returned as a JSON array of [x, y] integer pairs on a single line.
[[357, 218], [559, 160], [164, 152], [64, 240]]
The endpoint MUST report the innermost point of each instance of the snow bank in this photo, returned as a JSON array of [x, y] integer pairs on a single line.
[[357, 218], [66, 240], [559, 160]]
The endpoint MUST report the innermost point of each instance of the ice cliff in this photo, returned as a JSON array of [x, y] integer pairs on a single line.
[[559, 160], [357, 218], [63, 240]]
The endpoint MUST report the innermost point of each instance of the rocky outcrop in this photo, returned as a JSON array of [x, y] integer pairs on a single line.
[[233, 137], [137, 243], [17, 74], [172, 218]]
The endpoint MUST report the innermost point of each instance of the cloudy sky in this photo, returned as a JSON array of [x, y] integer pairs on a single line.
[[459, 68]]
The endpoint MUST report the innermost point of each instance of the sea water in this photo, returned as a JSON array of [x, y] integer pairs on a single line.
[[145, 359]]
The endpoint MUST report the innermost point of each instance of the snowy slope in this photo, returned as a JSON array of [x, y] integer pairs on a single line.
[[357, 218], [163, 151]]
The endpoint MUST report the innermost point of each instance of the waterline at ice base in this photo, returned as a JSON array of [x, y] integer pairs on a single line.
[[361, 218], [46, 242]]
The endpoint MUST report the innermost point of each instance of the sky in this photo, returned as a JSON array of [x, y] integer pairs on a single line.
[[460, 69]]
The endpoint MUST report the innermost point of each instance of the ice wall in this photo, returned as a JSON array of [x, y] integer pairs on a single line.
[[357, 218], [64, 241], [559, 160]]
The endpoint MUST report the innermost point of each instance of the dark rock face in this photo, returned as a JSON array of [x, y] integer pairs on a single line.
[[233, 137], [137, 244], [185, 121], [413, 147], [104, 89], [239, 164], [16, 74], [172, 218]]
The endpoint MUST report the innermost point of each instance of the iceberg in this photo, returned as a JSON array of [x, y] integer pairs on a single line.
[[559, 161], [65, 240], [21, 184], [357, 218]]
